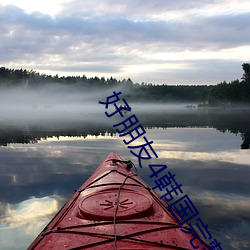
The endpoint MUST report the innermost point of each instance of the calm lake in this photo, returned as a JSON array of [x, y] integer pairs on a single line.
[[45, 157]]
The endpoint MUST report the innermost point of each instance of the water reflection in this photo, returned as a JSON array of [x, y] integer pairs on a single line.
[[32, 209], [20, 222], [36, 179], [234, 121]]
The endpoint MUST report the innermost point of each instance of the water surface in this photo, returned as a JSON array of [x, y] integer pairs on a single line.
[[44, 161]]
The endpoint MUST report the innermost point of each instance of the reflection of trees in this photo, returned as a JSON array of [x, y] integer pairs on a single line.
[[237, 122], [246, 141], [20, 135], [234, 121], [16, 137]]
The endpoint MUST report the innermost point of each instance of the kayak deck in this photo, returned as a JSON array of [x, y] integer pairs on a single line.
[[114, 209]]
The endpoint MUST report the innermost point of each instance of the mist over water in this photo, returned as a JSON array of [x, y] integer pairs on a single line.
[[58, 103], [53, 103]]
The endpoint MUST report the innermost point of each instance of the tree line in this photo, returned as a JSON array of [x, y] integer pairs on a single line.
[[236, 91]]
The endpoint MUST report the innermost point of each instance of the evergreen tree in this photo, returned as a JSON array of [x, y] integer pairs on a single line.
[[246, 69]]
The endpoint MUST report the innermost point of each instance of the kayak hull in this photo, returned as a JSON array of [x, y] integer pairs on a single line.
[[114, 209]]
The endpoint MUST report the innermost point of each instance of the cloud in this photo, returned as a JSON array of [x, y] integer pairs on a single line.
[[52, 32], [140, 9], [116, 30], [125, 40]]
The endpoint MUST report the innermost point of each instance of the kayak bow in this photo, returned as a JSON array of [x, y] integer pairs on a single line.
[[115, 209]]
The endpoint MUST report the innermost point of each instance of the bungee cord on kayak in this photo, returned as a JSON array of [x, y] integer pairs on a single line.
[[129, 164]]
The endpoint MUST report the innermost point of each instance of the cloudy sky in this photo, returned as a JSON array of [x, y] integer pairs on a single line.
[[157, 41]]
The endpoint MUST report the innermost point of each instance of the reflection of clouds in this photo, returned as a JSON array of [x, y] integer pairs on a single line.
[[226, 215], [29, 211], [68, 155], [230, 217], [55, 153], [228, 203], [2, 209], [237, 157], [25, 220], [194, 139], [205, 161], [52, 167], [104, 136], [80, 150]]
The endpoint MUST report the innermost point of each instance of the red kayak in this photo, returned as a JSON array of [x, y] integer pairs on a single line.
[[115, 209]]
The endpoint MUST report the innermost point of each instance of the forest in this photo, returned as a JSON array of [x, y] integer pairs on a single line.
[[224, 93]]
